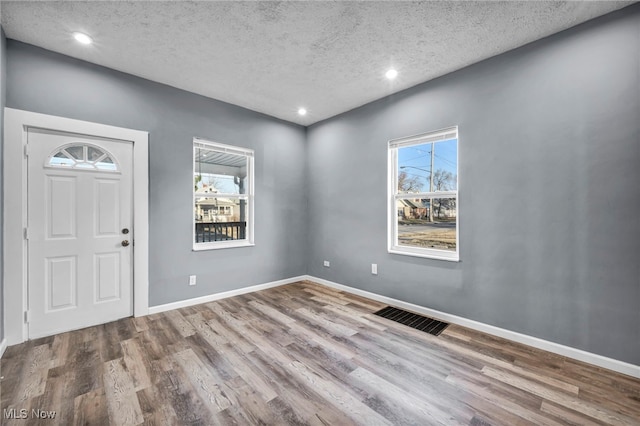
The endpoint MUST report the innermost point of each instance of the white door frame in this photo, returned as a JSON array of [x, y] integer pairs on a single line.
[[16, 123]]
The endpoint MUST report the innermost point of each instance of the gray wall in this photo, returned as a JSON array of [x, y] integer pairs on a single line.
[[549, 190], [46, 82], [3, 97]]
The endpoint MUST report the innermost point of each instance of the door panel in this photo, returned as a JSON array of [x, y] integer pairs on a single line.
[[61, 206], [107, 276], [107, 200], [79, 200], [61, 283]]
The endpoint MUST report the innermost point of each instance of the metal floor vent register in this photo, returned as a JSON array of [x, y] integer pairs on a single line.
[[419, 322]]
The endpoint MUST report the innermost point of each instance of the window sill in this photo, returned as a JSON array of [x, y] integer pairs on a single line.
[[425, 253], [221, 245]]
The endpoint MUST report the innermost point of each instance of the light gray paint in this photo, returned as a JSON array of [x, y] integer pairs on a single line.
[[3, 97], [46, 82], [549, 190], [328, 56]]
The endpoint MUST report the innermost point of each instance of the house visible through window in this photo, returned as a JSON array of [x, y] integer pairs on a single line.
[[223, 196], [423, 195]]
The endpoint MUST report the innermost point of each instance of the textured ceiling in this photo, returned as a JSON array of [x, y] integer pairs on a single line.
[[274, 57]]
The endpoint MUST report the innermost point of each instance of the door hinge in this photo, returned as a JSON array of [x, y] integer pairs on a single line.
[[26, 316], [26, 150], [26, 233]]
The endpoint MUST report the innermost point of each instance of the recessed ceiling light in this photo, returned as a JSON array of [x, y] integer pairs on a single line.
[[391, 74], [82, 38], [302, 111]]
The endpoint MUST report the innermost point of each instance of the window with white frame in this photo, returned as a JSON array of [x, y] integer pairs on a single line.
[[423, 195], [222, 196], [82, 156]]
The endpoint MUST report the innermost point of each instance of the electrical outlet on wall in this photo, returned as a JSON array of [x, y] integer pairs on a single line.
[[327, 263], [192, 280], [374, 268]]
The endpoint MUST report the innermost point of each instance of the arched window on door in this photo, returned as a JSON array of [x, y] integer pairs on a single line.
[[82, 156]]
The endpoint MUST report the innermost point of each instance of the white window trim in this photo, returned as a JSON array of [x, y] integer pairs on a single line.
[[392, 196], [230, 149], [17, 122]]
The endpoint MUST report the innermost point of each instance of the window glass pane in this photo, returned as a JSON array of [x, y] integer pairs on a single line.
[[414, 167], [106, 164], [445, 166], [220, 173], [420, 225], [76, 151], [414, 163], [94, 153], [223, 193], [61, 161], [220, 219]]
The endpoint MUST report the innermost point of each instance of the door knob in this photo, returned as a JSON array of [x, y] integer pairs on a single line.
[[125, 243]]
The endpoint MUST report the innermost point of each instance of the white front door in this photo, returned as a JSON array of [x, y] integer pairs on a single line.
[[79, 231]]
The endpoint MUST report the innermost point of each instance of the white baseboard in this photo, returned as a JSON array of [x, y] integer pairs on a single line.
[[223, 295], [3, 347], [577, 354]]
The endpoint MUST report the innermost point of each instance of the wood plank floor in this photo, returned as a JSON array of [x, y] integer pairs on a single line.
[[300, 354]]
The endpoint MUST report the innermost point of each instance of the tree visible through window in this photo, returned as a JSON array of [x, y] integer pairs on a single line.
[[223, 196], [423, 202]]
